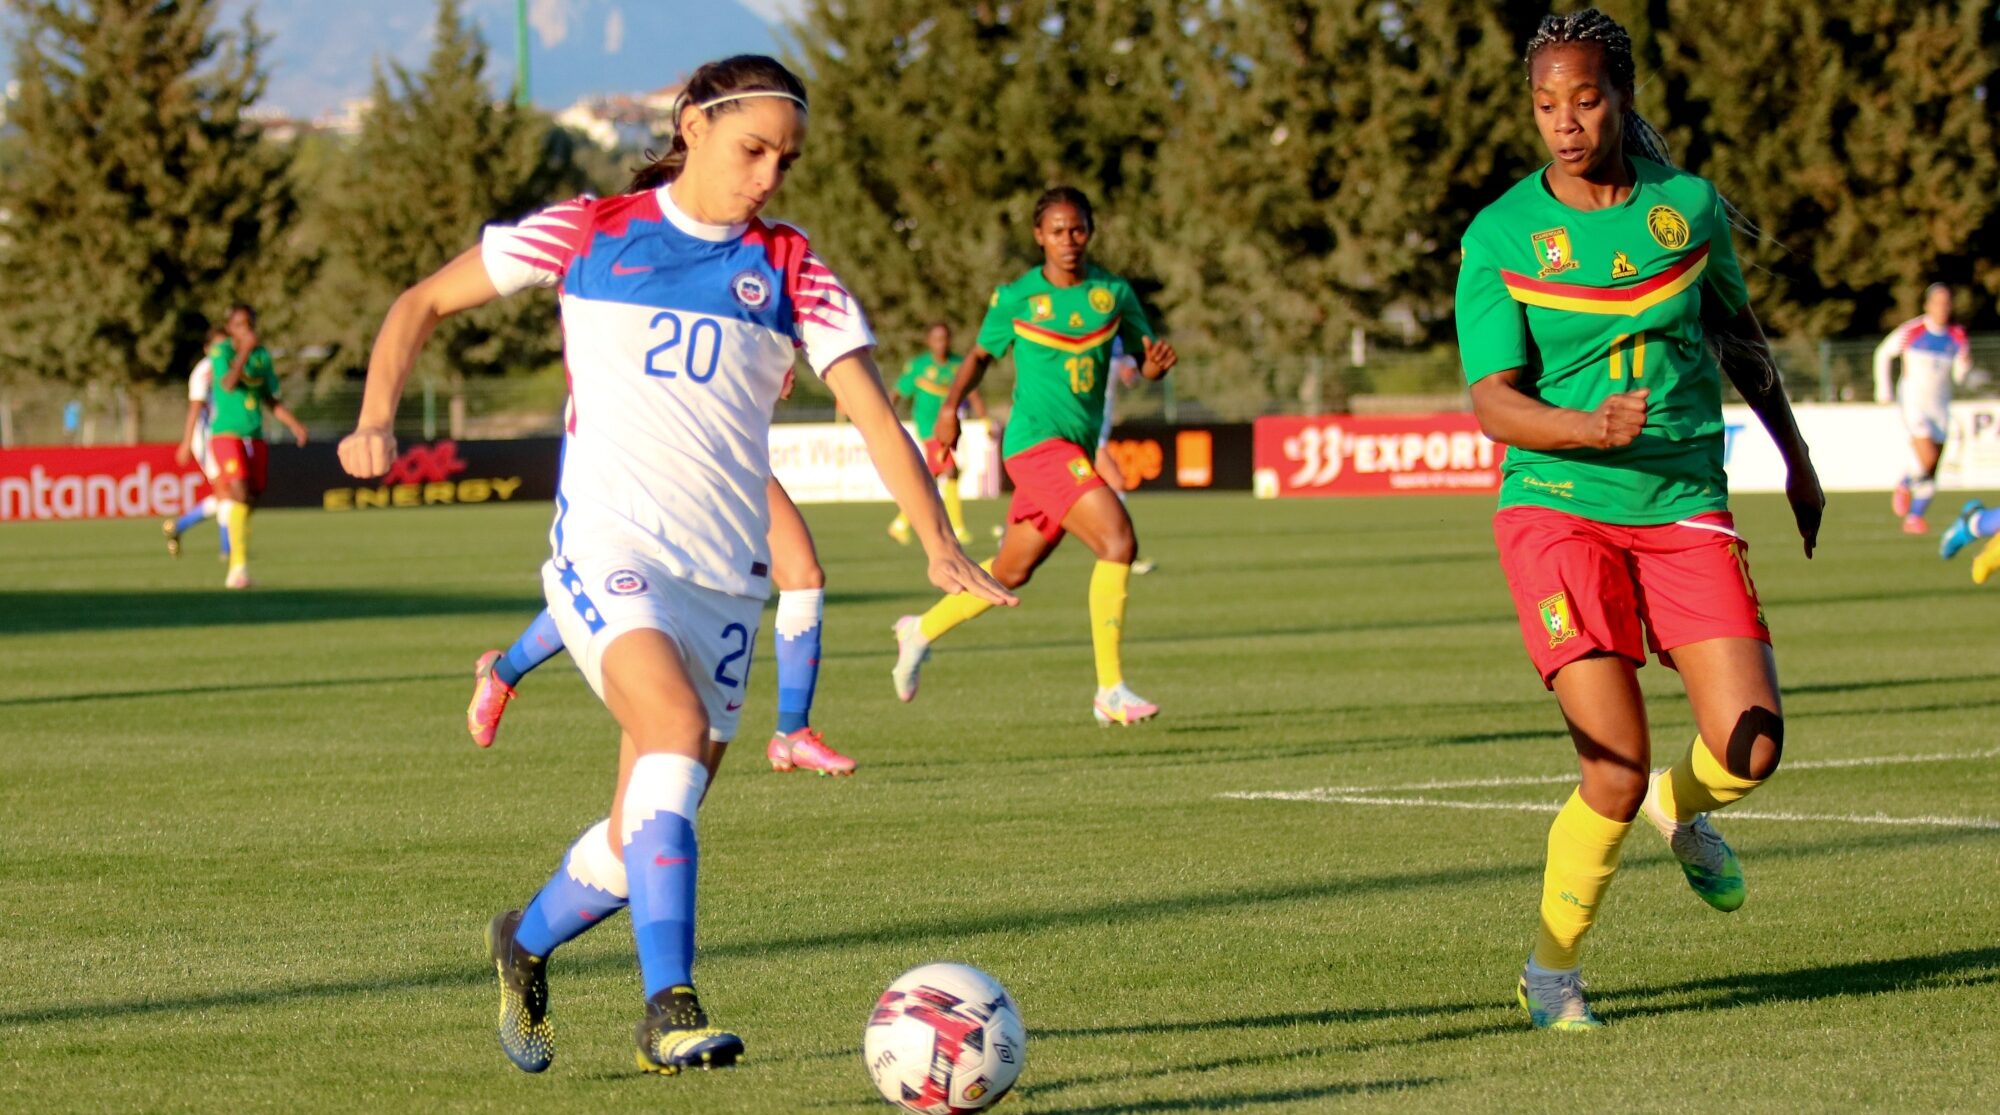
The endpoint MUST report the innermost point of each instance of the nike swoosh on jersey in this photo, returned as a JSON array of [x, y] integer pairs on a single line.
[[621, 269]]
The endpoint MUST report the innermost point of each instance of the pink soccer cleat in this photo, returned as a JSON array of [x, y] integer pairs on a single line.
[[1899, 500], [1915, 524], [489, 700], [1119, 705], [805, 749]]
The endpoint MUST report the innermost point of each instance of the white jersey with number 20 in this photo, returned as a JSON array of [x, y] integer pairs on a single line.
[[678, 337]]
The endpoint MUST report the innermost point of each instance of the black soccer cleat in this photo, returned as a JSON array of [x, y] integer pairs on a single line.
[[527, 1035], [676, 1035]]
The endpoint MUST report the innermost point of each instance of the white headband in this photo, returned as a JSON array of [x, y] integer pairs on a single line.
[[706, 105]]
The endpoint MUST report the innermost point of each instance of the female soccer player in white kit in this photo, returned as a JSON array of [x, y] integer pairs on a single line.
[[681, 310]]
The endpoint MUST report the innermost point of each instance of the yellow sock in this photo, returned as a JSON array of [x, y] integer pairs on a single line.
[[1107, 619], [1699, 784], [237, 517], [953, 610], [1583, 855], [954, 505]]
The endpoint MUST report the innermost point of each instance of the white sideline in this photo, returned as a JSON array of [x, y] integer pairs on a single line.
[[1370, 795]]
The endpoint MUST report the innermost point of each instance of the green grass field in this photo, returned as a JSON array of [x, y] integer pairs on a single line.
[[247, 850]]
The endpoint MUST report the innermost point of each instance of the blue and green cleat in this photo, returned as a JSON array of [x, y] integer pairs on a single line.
[[1959, 534], [675, 1035], [527, 1035], [1554, 1000], [1711, 866]]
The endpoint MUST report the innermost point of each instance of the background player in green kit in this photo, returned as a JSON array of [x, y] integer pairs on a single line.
[[1599, 304], [926, 380], [1060, 320], [244, 382]]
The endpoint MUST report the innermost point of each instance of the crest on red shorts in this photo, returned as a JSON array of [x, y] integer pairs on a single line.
[[1556, 619], [1080, 469]]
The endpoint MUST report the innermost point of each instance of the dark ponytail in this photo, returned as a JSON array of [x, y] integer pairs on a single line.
[[743, 73]]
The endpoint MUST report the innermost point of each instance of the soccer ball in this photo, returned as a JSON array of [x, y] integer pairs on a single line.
[[945, 1039]]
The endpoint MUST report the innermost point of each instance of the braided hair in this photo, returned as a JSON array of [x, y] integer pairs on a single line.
[[726, 78], [1065, 195], [1593, 26]]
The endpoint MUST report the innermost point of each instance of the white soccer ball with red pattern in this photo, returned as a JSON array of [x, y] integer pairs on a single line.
[[945, 1039]]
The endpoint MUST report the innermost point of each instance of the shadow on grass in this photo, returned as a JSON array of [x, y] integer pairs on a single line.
[[209, 690], [60, 611], [1962, 968], [1236, 1101], [1802, 984]]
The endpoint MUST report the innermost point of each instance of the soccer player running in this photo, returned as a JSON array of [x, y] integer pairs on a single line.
[[926, 380], [801, 584], [1060, 319], [1124, 372], [681, 311], [1599, 304], [194, 448], [1935, 355], [245, 382]]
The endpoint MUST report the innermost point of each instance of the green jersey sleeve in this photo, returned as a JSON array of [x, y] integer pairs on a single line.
[[1133, 328], [996, 333], [1724, 275], [1492, 328], [906, 384]]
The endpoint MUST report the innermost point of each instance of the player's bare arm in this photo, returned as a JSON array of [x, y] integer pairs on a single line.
[[857, 383], [1745, 356], [970, 372], [184, 452], [460, 285], [291, 421], [1160, 359], [1509, 416]]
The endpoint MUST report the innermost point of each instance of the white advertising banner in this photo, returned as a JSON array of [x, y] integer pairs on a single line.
[[828, 463], [1863, 448]]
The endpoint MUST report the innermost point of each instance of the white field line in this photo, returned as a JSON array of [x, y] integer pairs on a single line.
[[1366, 795], [1558, 779]]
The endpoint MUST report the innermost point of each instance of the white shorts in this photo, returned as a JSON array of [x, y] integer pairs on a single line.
[[596, 599], [204, 454], [1929, 421]]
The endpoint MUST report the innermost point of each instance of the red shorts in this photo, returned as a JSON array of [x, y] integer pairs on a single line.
[[1584, 587], [248, 459], [936, 457], [1048, 480]]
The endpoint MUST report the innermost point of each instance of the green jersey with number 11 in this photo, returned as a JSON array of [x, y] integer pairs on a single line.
[[1592, 303], [1064, 336]]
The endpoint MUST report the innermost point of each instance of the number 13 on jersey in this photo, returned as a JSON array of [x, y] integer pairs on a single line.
[[1082, 373]]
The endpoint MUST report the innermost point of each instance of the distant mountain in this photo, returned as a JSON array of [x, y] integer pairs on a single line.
[[322, 52]]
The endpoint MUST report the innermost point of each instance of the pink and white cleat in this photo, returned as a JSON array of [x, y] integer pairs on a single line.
[[1119, 705], [1915, 524], [489, 700], [1899, 499], [805, 749]]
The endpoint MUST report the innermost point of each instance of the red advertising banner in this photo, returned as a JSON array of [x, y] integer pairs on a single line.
[[1374, 455], [114, 482]]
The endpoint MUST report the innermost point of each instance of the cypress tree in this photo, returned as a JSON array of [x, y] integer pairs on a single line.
[[140, 200]]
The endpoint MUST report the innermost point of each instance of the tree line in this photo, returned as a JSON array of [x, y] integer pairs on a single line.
[[1273, 176]]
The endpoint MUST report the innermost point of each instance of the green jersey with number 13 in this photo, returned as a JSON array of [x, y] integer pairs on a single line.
[[1062, 351]]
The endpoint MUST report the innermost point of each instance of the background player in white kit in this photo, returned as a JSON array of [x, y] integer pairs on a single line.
[[194, 449], [1935, 355], [681, 311]]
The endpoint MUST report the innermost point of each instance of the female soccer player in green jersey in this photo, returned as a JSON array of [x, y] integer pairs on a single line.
[[926, 380], [1060, 320], [1599, 304]]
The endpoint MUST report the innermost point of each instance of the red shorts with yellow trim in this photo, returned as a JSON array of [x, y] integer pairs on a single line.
[[1583, 587], [1048, 480], [248, 459], [936, 457]]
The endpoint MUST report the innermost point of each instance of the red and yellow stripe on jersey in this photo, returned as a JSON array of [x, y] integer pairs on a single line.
[[1630, 301]]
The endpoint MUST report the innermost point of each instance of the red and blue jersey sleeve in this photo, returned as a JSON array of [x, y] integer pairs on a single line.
[[538, 251], [827, 321]]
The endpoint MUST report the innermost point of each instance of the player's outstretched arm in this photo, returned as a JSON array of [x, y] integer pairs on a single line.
[[184, 452], [460, 285], [1745, 356], [858, 385], [1160, 359], [970, 372], [284, 414], [1509, 416]]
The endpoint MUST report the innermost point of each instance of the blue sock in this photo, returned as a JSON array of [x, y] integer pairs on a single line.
[[1986, 524], [661, 861], [798, 623], [1922, 490], [537, 645], [587, 887], [225, 537], [192, 519]]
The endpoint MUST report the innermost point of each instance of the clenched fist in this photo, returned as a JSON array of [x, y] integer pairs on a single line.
[[368, 452], [1616, 421]]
